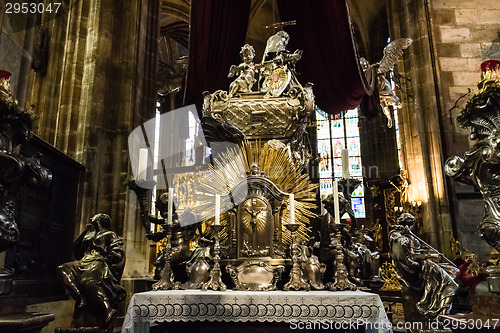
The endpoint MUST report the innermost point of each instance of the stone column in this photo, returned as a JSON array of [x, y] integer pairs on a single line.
[[466, 34], [421, 123], [100, 85]]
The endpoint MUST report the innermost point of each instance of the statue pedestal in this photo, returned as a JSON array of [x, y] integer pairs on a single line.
[[78, 330], [15, 319], [30, 322], [5, 286], [484, 309], [485, 305]]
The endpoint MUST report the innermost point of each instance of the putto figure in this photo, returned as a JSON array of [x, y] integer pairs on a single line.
[[93, 280], [246, 72]]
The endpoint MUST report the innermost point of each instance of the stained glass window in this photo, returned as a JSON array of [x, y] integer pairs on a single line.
[[334, 134]]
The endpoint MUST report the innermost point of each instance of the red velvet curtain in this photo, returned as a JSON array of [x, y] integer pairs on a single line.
[[217, 33], [329, 60]]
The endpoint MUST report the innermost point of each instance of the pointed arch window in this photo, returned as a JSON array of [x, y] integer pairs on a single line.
[[336, 132]]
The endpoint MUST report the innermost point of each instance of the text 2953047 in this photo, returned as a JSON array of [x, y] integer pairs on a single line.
[[31, 7]]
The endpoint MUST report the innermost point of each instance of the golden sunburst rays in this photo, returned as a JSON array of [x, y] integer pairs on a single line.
[[225, 233], [231, 167], [275, 161], [228, 170]]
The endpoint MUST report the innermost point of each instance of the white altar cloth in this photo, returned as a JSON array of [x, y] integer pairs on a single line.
[[330, 308]]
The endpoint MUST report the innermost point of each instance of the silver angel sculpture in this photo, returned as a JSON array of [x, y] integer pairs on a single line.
[[392, 52], [277, 74], [276, 71], [480, 166]]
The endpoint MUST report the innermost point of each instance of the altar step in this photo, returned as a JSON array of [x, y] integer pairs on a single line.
[[15, 319], [231, 327]]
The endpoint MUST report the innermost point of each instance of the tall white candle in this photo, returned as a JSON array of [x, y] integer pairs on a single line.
[[323, 197], [142, 168], [217, 209], [345, 163], [292, 208], [170, 205], [336, 201]]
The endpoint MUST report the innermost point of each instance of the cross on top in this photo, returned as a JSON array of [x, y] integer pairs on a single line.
[[281, 24], [168, 299], [269, 299], [302, 299], [251, 300], [150, 299], [286, 300]]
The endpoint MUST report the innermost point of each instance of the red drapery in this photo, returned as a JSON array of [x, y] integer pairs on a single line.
[[329, 60], [217, 33]]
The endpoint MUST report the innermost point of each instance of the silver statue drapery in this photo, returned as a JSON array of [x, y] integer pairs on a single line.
[[480, 166], [427, 277]]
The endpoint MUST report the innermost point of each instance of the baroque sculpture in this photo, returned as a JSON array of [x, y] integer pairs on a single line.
[[278, 66], [350, 257], [392, 52], [93, 279], [254, 235], [312, 270], [363, 263], [246, 72], [278, 108], [480, 166], [427, 277], [358, 259], [176, 249], [16, 170]]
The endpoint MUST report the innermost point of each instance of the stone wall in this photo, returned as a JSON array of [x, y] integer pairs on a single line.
[[466, 34], [420, 122], [100, 85]]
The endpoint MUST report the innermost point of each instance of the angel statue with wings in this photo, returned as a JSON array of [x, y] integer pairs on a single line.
[[392, 52]]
